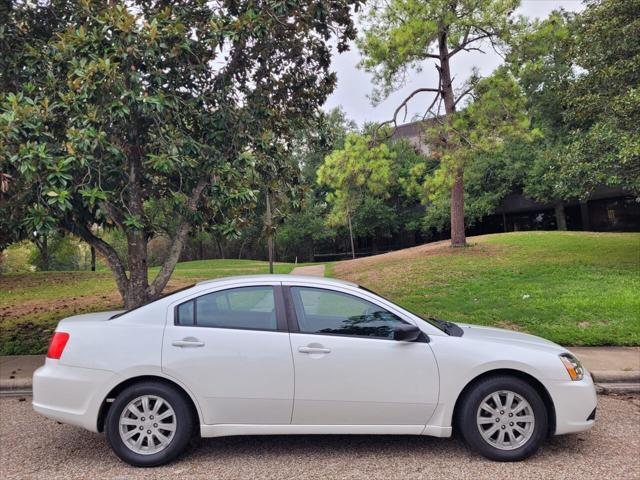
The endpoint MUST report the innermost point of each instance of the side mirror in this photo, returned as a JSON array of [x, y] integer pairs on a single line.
[[406, 333]]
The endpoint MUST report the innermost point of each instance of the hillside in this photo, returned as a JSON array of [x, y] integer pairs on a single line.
[[574, 288]]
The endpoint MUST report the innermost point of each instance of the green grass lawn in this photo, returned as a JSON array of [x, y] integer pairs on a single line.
[[570, 287], [31, 304]]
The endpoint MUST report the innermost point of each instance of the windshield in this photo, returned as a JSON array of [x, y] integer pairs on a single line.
[[155, 300]]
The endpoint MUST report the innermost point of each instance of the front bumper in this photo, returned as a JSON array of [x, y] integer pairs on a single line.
[[69, 394], [574, 402]]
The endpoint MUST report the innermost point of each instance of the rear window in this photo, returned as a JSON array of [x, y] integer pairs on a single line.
[[249, 308]]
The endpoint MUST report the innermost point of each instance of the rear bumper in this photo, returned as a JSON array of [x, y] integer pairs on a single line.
[[69, 394], [574, 402]]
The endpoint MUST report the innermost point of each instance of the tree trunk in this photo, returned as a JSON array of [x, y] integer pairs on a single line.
[[138, 291], [220, 248], [458, 238], [135, 288], [158, 284], [269, 230], [93, 258], [561, 218], [44, 253], [244, 241], [353, 250]]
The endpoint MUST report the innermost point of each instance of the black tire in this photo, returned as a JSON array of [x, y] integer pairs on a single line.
[[183, 418], [468, 425]]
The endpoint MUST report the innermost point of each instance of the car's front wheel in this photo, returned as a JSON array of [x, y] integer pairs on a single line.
[[503, 418], [149, 424]]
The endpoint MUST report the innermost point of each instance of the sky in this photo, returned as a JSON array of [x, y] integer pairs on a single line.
[[354, 85]]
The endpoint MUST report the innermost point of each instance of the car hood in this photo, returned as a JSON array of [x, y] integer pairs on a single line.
[[90, 317], [502, 336]]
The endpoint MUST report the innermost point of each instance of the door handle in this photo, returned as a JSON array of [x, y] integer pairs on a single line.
[[188, 342], [314, 350]]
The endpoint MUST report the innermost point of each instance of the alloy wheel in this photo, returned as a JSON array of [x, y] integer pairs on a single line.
[[147, 424], [505, 420]]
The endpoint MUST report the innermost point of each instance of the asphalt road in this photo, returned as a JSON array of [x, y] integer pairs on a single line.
[[34, 447]]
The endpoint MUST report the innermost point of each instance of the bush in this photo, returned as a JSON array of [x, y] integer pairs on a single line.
[[15, 258]]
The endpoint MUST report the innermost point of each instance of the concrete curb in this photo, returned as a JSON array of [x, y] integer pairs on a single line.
[[617, 388], [16, 384], [616, 376]]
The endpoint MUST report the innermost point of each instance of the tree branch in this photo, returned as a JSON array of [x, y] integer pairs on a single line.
[[467, 41], [462, 95], [113, 212], [399, 109], [108, 252], [169, 264]]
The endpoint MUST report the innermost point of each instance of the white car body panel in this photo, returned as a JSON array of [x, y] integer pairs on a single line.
[[256, 382], [239, 376], [363, 381]]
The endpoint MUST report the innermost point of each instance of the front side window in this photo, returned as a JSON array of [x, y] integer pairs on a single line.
[[250, 308], [329, 312]]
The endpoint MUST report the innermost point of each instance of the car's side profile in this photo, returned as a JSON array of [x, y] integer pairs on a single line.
[[280, 354]]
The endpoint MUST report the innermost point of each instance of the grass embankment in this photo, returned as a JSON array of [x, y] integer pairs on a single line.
[[571, 287], [31, 304]]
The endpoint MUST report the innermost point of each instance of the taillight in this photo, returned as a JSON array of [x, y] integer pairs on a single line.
[[58, 342]]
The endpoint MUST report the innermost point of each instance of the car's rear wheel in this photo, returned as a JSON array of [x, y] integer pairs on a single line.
[[503, 418], [149, 424]]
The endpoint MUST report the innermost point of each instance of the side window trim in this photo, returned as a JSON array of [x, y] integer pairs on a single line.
[[280, 309], [292, 316]]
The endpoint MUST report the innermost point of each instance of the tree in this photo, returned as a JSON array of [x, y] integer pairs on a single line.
[[541, 57], [19, 29], [303, 230], [154, 104], [323, 134], [401, 34], [279, 176], [581, 79], [603, 111], [304, 226], [351, 173], [493, 121]]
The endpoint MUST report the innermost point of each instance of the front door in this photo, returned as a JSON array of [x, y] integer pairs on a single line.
[[231, 348], [348, 368]]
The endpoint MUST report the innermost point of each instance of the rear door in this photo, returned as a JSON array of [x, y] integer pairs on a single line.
[[231, 348], [349, 370]]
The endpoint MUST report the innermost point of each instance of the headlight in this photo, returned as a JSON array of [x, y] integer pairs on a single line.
[[573, 366]]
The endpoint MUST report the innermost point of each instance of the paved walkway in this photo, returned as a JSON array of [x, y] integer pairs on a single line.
[[609, 358], [16, 371], [312, 270]]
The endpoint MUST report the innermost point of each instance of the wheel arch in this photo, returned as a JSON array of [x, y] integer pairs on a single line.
[[115, 391], [531, 380]]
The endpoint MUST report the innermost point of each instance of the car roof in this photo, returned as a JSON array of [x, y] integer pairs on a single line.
[[280, 278]]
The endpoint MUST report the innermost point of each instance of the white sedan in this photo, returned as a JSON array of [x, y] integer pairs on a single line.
[[281, 354]]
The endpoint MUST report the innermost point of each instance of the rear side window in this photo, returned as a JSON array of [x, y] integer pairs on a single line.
[[185, 313], [329, 312], [251, 308]]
